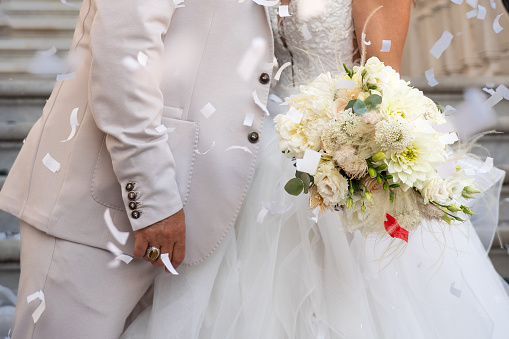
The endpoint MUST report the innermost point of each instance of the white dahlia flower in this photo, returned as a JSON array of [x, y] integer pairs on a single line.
[[414, 165]]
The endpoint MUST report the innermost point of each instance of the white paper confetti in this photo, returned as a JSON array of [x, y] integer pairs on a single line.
[[309, 9], [487, 166], [68, 76], [165, 257], [504, 91], [70, 4], [455, 291], [49, 52], [472, 3], [113, 249], [294, 115], [444, 128], [457, 2], [251, 59], [178, 3], [125, 258], [309, 162], [42, 306], [280, 70], [449, 139], [259, 103], [161, 129], [469, 171], [493, 4], [203, 153], [367, 43], [74, 124], [121, 237], [207, 110], [386, 46], [142, 58], [441, 45], [50, 163], [267, 3], [345, 84], [496, 24], [430, 76], [261, 215], [493, 100], [248, 120], [242, 148], [481, 15], [490, 91], [275, 98], [449, 109], [130, 63], [472, 14], [446, 170], [283, 11], [305, 32]]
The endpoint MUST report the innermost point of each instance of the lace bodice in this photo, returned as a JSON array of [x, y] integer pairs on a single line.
[[315, 45]]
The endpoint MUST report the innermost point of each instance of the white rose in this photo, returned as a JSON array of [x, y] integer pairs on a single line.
[[435, 190], [455, 184], [330, 184], [374, 65]]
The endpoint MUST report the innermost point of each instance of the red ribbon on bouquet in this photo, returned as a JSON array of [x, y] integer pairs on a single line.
[[394, 229]]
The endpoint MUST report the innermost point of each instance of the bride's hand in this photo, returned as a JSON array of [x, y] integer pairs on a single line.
[[168, 235]]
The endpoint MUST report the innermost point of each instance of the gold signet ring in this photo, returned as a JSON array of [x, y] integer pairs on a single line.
[[153, 252]]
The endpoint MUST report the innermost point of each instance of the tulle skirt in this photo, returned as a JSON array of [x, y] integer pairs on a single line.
[[284, 272]]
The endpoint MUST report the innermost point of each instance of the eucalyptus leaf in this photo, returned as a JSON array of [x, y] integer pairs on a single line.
[[373, 101], [359, 107], [350, 104], [306, 180], [294, 186]]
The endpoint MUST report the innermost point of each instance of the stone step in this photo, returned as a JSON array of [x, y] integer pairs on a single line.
[[13, 46], [39, 8], [40, 24]]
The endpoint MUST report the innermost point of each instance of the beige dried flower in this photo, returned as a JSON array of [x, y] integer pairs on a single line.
[[315, 199], [350, 161]]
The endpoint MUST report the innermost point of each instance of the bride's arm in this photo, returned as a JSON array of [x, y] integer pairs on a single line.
[[389, 23]]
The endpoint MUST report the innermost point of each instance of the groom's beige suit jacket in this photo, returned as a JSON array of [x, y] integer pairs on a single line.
[[138, 65]]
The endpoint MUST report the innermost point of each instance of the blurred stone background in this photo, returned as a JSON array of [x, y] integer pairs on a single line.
[[35, 36]]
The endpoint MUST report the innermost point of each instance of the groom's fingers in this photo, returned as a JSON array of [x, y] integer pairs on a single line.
[[179, 252], [140, 247]]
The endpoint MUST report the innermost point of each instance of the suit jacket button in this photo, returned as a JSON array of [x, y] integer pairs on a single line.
[[135, 214], [264, 78], [132, 195], [133, 205], [130, 186], [253, 137]]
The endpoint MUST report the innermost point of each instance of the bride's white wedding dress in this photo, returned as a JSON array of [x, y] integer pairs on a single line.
[[291, 274]]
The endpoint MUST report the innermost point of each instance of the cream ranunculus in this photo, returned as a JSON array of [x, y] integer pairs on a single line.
[[435, 190], [294, 138], [330, 184]]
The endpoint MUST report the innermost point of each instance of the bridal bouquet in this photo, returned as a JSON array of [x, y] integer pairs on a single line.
[[369, 144]]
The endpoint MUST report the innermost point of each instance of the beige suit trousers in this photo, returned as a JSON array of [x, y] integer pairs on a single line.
[[84, 297]]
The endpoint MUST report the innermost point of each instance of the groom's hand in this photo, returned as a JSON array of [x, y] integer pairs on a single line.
[[168, 234]]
